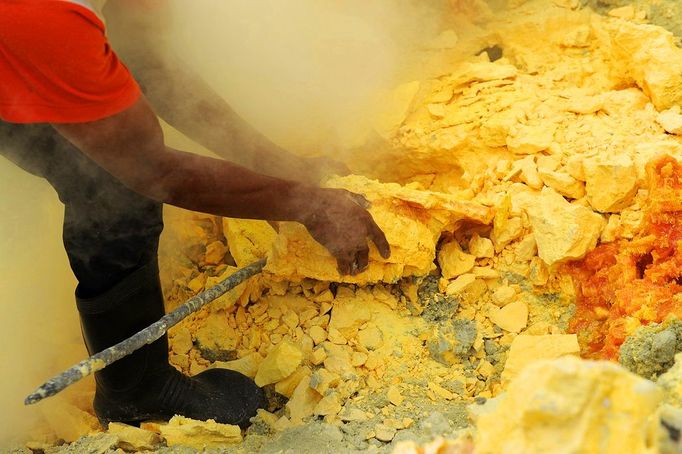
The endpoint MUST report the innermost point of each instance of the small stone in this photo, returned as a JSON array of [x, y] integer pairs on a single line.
[[564, 184], [318, 334], [353, 414], [513, 317], [440, 391], [394, 396], [318, 356], [370, 338], [247, 365], [335, 337], [287, 386], [302, 402], [481, 247], [181, 341], [529, 139], [321, 380], [348, 315], [384, 433], [329, 405], [181, 431], [373, 361], [461, 284], [453, 261], [290, 319], [132, 438], [357, 359], [671, 120], [281, 362], [503, 295], [215, 253]]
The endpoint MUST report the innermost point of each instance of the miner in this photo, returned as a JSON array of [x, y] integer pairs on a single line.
[[72, 113]]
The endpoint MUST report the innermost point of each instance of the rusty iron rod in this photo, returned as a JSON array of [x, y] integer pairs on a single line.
[[148, 335]]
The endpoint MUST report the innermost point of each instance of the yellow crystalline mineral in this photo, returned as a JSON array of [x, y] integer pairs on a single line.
[[348, 315], [247, 365], [481, 247], [453, 261], [303, 401], [671, 120], [527, 349], [513, 317], [611, 182], [132, 438], [281, 362], [526, 139], [649, 55], [570, 405], [248, 240], [181, 431], [412, 220], [562, 231]]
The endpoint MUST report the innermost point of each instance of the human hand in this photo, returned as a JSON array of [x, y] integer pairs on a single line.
[[339, 220]]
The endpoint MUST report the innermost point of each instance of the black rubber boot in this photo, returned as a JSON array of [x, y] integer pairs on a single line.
[[143, 386]]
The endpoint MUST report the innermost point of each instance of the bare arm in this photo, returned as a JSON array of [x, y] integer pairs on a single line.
[[130, 146]]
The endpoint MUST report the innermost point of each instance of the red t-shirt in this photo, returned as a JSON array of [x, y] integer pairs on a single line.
[[56, 65]]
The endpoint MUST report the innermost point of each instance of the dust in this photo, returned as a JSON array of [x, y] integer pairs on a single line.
[[305, 72], [39, 333]]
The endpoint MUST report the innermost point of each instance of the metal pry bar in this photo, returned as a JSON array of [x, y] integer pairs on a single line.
[[148, 335]]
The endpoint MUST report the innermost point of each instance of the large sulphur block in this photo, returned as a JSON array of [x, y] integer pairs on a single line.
[[281, 362], [563, 231], [412, 221], [569, 405]]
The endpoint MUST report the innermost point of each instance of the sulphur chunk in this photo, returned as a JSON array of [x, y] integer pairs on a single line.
[[529, 139], [461, 284], [247, 365], [453, 261], [133, 438], [527, 349], [563, 183], [671, 120], [481, 247], [611, 182], [513, 317], [503, 295], [562, 231], [570, 405], [181, 431], [348, 315], [281, 362], [248, 240], [303, 401]]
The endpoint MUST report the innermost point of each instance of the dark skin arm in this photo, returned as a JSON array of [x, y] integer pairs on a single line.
[[130, 146], [205, 117]]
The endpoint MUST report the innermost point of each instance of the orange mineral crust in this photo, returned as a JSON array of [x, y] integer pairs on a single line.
[[628, 283]]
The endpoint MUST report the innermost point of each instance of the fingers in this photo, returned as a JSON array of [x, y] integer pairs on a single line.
[[361, 260], [359, 199], [377, 236]]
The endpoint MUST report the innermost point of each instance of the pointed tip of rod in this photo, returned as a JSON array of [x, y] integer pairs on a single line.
[[33, 398]]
